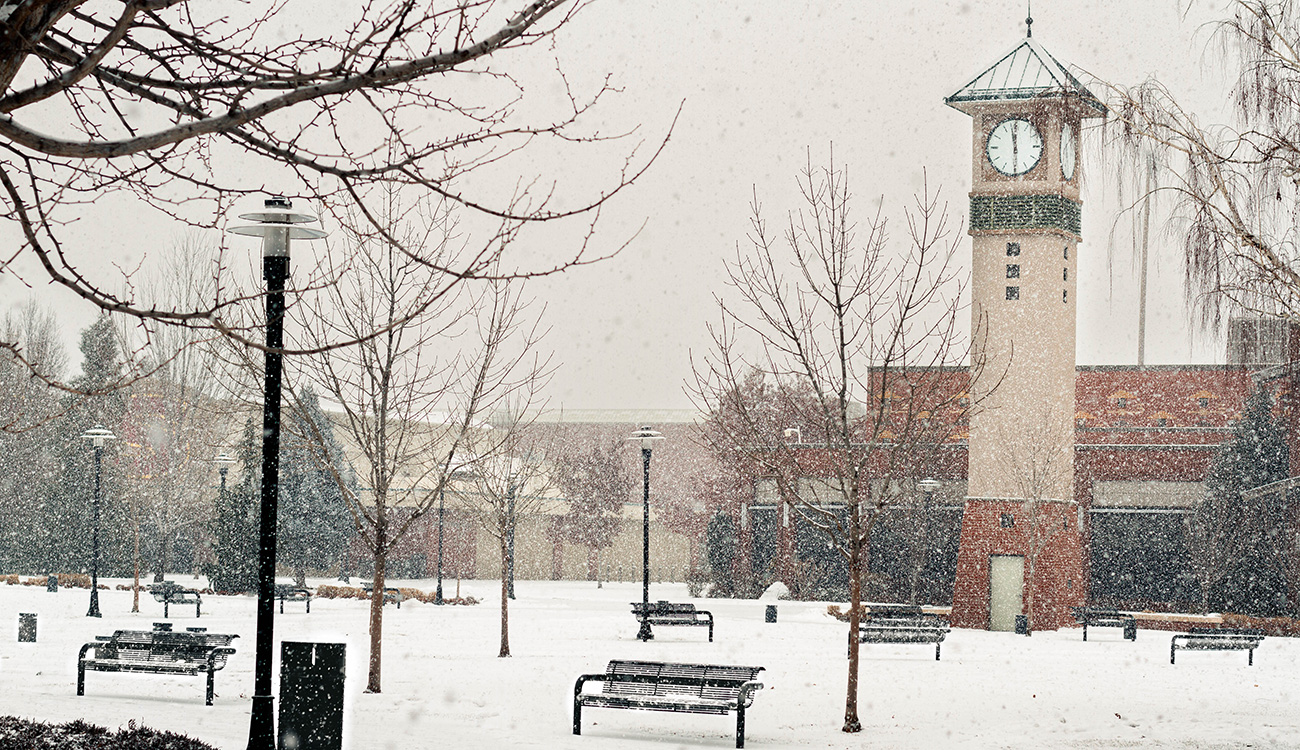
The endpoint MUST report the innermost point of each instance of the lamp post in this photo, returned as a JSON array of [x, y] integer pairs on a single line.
[[442, 496], [97, 436], [276, 225], [646, 438], [223, 462]]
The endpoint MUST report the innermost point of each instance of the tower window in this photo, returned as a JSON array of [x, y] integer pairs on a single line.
[[1013, 292], [1067, 252], [1013, 249], [1203, 402], [1065, 295], [1121, 403], [1007, 520], [1013, 270], [1065, 274]]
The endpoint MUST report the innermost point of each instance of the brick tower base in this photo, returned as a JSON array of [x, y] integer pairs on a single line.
[[1004, 527]]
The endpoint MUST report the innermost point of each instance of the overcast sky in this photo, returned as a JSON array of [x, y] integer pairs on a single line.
[[763, 83]]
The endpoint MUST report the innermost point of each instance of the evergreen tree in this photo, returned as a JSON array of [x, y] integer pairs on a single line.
[[235, 524], [1252, 577], [66, 538], [314, 525]]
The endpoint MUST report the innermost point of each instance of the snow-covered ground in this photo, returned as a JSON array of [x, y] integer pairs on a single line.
[[444, 687]]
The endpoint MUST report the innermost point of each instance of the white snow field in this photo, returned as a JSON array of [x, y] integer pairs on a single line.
[[444, 687]]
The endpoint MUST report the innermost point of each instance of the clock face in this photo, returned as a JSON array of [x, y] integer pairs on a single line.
[[1014, 146], [1067, 152]]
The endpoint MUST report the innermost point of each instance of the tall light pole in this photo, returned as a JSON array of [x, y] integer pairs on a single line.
[[97, 436], [646, 438], [276, 225], [442, 496]]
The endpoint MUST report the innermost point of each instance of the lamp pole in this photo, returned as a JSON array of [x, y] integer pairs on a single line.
[[646, 438], [97, 435], [276, 225], [442, 496]]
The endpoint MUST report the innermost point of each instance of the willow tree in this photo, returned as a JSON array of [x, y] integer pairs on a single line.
[[864, 333]]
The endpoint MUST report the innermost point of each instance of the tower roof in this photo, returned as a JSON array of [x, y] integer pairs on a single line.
[[1026, 72]]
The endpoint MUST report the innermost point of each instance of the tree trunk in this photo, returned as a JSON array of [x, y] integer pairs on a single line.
[[505, 599], [135, 580], [300, 577], [377, 614], [851, 723]]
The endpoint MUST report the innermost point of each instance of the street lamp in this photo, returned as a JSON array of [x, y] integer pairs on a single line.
[[223, 462], [646, 437], [97, 436], [276, 225]]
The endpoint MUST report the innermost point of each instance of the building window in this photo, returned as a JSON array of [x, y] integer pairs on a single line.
[[1007, 520], [1065, 274], [1013, 292], [1067, 252], [1162, 422], [1121, 402], [1013, 249], [1065, 295], [1013, 270], [1203, 402]]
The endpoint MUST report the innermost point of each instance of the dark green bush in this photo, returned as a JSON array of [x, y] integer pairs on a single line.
[[24, 734]]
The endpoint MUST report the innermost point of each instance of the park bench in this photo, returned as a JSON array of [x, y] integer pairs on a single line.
[[1217, 639], [1098, 617], [390, 594], [902, 623], [159, 651], [680, 688], [286, 593], [670, 613], [169, 593]]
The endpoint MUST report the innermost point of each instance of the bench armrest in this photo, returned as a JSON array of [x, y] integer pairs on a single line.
[[81, 655], [577, 686], [747, 693]]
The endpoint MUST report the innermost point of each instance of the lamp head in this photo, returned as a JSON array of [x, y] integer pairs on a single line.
[[645, 438], [276, 225], [98, 434]]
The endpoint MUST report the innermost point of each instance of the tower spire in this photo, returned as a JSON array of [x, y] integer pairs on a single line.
[[1029, 20]]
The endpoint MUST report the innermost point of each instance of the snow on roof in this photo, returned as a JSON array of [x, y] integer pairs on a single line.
[[1026, 72]]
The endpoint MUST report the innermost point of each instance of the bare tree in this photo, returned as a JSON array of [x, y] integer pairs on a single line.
[[596, 481], [511, 480], [412, 400], [865, 335], [143, 97], [1037, 463], [1231, 187]]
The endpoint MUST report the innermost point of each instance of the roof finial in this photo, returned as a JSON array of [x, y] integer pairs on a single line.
[[1029, 20]]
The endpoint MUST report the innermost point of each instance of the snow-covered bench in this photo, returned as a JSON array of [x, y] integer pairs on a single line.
[[681, 688], [671, 613], [390, 594], [169, 593], [287, 593], [1217, 639], [1105, 618], [902, 623], [159, 651]]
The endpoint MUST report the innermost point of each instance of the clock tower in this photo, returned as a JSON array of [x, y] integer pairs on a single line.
[[1020, 551]]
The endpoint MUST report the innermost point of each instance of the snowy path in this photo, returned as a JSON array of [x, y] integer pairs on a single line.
[[444, 686]]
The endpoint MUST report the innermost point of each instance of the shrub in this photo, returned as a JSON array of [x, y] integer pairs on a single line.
[[23, 734]]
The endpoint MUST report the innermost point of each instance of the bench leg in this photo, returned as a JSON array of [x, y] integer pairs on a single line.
[[197, 613], [1171, 653], [740, 726], [281, 606], [1250, 657], [309, 606], [577, 715], [165, 606], [81, 677], [710, 631], [936, 652], [1085, 631], [211, 675]]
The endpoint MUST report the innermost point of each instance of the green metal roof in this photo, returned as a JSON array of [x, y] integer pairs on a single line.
[[1026, 72]]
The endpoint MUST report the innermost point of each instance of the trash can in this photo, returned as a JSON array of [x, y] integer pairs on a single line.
[[769, 615], [26, 627], [311, 696], [52, 584], [1022, 624]]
